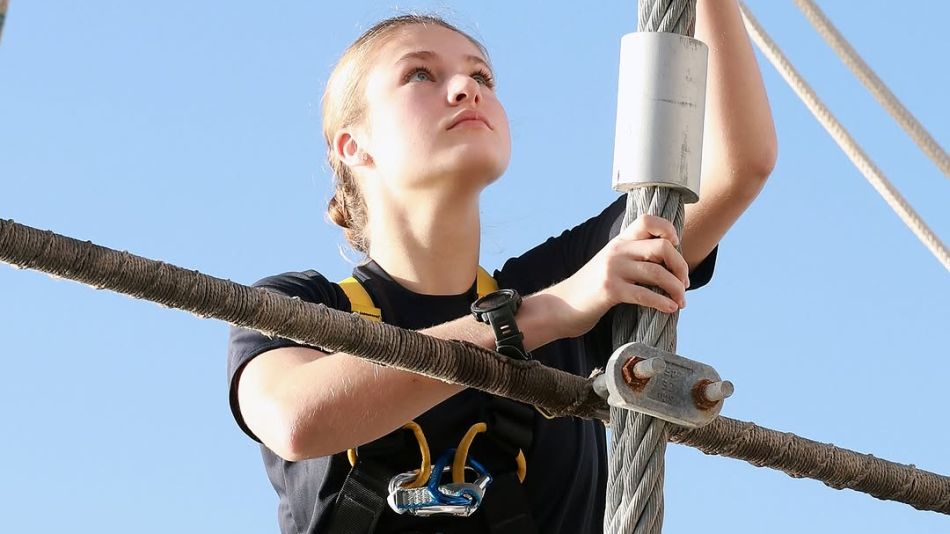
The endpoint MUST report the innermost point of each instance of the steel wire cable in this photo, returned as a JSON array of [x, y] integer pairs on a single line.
[[634, 501]]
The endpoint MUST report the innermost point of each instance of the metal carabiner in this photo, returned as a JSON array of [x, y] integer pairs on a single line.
[[450, 499], [463, 492], [435, 498]]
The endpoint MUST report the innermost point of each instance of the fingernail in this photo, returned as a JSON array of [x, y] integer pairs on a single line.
[[687, 281]]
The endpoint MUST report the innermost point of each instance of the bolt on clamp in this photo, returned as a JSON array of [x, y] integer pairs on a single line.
[[662, 384]]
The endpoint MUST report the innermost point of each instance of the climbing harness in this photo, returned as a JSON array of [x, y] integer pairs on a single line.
[[442, 488]]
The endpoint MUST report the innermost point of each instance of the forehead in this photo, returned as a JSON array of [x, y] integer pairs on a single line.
[[447, 44]]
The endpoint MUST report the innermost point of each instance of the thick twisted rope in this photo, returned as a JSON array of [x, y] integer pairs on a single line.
[[452, 361], [847, 143], [555, 391], [638, 444], [798, 457], [869, 78]]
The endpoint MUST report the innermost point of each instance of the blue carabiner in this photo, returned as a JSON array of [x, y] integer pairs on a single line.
[[465, 497]]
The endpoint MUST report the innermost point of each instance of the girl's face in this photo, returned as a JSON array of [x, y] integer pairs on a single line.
[[432, 120]]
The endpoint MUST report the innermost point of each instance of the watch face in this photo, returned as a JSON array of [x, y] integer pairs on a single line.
[[494, 300]]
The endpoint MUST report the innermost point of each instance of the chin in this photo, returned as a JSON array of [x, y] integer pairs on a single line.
[[478, 174], [485, 164]]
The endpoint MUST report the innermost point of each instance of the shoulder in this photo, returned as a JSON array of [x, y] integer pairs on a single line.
[[309, 286], [244, 345]]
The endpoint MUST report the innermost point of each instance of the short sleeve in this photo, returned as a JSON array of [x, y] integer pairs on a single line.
[[244, 345], [702, 273]]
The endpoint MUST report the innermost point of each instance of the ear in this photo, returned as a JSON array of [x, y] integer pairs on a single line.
[[349, 150]]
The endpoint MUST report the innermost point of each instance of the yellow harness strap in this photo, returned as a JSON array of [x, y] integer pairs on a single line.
[[362, 303], [485, 284]]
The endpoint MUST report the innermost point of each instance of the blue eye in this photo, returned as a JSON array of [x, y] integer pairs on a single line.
[[419, 74], [483, 77]]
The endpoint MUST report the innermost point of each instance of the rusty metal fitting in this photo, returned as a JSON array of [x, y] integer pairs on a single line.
[[707, 393], [637, 372], [662, 384]]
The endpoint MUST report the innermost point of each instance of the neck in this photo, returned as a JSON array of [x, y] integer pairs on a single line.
[[429, 246]]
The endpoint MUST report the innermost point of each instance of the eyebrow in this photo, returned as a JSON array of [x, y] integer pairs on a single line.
[[428, 54]]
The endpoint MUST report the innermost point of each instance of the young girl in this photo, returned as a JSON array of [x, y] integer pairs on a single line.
[[415, 132]]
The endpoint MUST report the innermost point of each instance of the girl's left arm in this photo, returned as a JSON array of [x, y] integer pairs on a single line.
[[739, 144]]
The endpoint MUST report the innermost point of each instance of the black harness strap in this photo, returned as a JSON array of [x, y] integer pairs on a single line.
[[510, 425], [510, 429], [506, 506], [361, 500]]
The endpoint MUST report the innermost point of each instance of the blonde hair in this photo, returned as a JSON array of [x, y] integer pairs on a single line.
[[343, 106]]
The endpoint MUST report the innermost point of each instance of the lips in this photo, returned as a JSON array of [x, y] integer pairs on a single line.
[[468, 115]]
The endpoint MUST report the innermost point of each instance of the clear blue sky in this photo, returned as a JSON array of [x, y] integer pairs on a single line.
[[190, 132]]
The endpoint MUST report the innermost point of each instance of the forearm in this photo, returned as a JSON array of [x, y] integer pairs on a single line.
[[340, 401]]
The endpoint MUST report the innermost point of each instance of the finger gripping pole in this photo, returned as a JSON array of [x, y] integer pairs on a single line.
[[660, 106]]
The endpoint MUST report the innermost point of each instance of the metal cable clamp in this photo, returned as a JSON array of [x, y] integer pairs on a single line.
[[667, 386]]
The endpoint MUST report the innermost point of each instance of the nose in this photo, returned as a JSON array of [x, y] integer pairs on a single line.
[[464, 89]]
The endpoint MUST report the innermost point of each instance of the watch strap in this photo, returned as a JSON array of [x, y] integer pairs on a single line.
[[509, 340]]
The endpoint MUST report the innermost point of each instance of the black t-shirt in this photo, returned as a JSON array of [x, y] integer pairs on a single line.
[[567, 473]]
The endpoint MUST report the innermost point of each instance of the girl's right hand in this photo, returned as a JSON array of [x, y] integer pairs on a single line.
[[643, 255]]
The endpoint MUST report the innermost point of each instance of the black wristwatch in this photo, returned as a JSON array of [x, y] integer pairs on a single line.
[[498, 310]]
